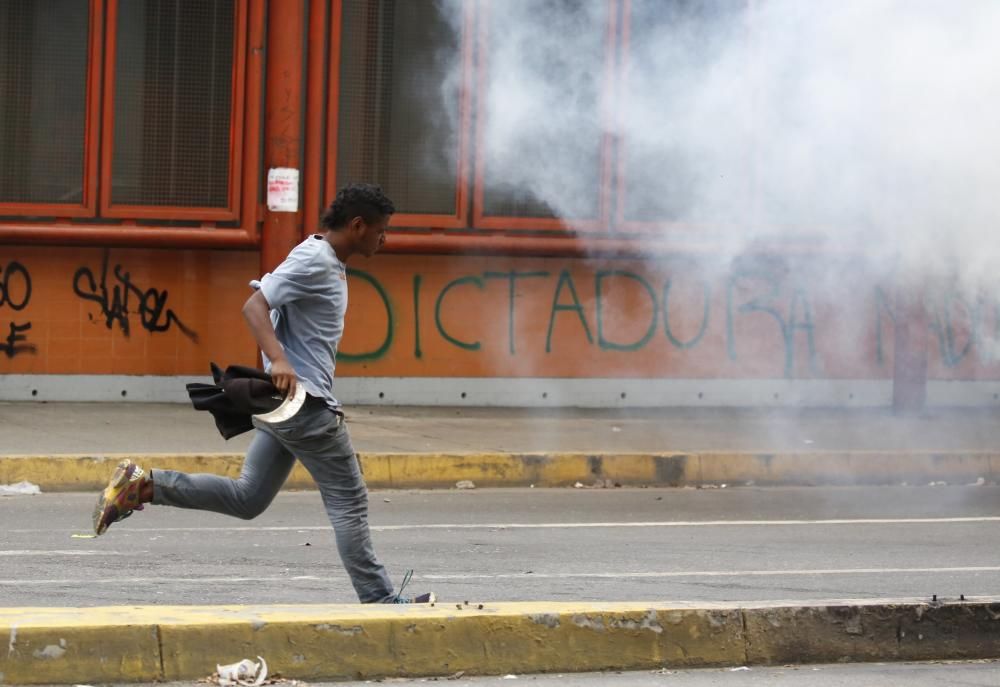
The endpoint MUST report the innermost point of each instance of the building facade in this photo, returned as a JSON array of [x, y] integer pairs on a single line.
[[157, 155]]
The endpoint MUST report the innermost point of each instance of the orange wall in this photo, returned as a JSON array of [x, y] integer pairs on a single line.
[[199, 290], [451, 316]]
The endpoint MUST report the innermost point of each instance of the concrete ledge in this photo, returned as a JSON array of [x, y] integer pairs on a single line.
[[436, 470], [132, 644], [873, 632]]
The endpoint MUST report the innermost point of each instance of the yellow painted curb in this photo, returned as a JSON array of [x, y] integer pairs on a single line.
[[155, 643], [437, 470]]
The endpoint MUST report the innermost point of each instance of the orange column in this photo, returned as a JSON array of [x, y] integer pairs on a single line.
[[312, 184], [283, 134]]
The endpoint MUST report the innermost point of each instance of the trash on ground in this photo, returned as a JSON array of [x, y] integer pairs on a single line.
[[606, 484], [272, 679], [578, 485], [83, 536], [465, 484], [509, 677], [736, 670], [246, 672], [20, 489]]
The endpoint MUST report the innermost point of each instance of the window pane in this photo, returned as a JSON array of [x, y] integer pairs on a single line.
[[43, 79], [685, 111], [399, 109], [173, 102], [542, 130]]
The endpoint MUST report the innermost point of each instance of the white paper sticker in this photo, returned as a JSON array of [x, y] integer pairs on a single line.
[[283, 189]]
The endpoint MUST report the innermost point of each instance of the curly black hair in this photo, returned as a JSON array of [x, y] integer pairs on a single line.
[[357, 200]]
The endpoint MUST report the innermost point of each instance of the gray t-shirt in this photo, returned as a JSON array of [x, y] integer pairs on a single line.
[[308, 298]]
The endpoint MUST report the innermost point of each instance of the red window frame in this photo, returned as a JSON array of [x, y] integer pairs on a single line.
[[646, 227], [244, 163], [88, 207], [229, 213], [459, 219], [595, 224]]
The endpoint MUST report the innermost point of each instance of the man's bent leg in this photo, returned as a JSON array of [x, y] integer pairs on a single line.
[[264, 471]]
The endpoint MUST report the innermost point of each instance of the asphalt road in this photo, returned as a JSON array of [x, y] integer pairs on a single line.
[[984, 674], [717, 545], [971, 674]]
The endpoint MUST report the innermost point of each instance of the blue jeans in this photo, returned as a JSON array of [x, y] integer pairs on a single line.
[[318, 437]]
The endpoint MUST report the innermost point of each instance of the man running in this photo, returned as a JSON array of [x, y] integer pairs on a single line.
[[296, 315]]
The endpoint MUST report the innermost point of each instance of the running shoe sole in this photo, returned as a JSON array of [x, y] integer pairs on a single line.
[[106, 501]]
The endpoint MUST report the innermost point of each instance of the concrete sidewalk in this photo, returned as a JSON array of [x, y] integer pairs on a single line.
[[72, 446], [101, 428]]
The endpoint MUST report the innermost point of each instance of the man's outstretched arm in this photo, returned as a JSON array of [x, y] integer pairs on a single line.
[[257, 313]]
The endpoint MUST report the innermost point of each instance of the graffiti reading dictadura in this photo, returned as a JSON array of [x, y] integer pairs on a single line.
[[749, 292]]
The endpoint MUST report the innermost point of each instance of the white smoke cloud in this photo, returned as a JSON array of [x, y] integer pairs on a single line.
[[543, 121], [864, 124]]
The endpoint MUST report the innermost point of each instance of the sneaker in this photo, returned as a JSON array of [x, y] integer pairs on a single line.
[[427, 598], [120, 498]]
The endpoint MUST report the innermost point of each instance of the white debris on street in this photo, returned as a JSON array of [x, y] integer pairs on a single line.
[[20, 489], [246, 672]]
